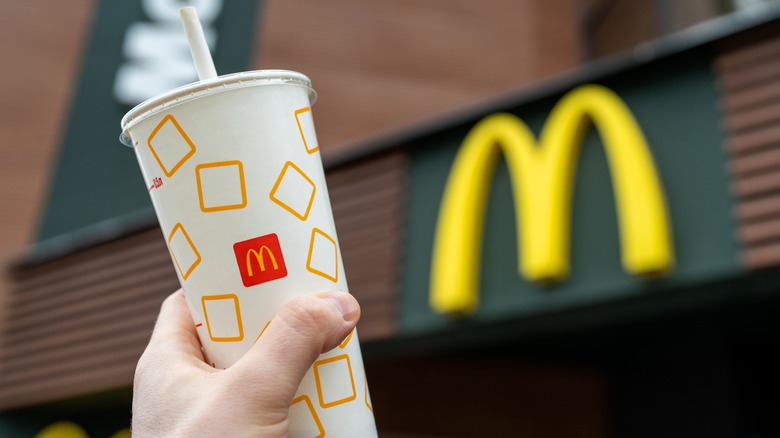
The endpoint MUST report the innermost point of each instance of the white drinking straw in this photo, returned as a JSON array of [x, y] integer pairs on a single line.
[[198, 47]]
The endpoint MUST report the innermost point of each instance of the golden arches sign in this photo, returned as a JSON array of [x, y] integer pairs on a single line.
[[542, 177], [67, 429]]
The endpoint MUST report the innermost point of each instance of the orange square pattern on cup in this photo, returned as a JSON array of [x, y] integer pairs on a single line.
[[227, 307], [177, 247], [177, 148], [306, 129], [262, 331], [304, 402], [336, 371], [293, 179], [220, 170], [344, 343], [320, 247], [368, 396]]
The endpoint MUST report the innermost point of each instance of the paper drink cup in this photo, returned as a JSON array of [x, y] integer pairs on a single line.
[[233, 168]]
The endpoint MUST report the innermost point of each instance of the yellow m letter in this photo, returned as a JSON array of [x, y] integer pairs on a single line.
[[542, 179], [258, 256]]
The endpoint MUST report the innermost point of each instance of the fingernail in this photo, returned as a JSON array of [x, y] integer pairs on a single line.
[[346, 305]]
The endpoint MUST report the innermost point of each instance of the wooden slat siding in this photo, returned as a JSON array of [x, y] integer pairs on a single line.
[[750, 118], [118, 318], [756, 162], [753, 140], [88, 287], [759, 232], [748, 97], [90, 311], [369, 208], [763, 256], [83, 262], [79, 323], [749, 80], [749, 210], [756, 185], [751, 75], [756, 52]]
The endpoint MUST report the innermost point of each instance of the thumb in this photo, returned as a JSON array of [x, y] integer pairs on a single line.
[[174, 330], [302, 329]]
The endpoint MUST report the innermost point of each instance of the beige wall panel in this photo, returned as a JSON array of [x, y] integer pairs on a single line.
[[41, 42], [384, 64]]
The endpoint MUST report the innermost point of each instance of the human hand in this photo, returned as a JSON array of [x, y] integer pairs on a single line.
[[176, 393]]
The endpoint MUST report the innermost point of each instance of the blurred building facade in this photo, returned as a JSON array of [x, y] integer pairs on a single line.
[[602, 352]]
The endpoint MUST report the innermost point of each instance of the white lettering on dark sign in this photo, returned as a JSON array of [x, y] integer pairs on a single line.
[[156, 52]]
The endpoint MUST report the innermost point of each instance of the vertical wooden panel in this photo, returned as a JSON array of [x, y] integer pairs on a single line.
[[369, 201], [749, 78]]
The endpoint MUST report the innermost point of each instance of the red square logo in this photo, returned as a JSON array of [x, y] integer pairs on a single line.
[[260, 260]]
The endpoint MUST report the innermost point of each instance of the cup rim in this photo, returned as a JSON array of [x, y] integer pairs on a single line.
[[200, 89]]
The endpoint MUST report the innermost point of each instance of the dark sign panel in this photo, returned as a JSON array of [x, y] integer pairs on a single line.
[[137, 49], [643, 219]]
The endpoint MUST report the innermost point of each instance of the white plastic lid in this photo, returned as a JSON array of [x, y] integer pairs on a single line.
[[200, 89]]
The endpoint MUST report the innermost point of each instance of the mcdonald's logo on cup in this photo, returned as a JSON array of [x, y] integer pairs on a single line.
[[260, 260], [542, 176]]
